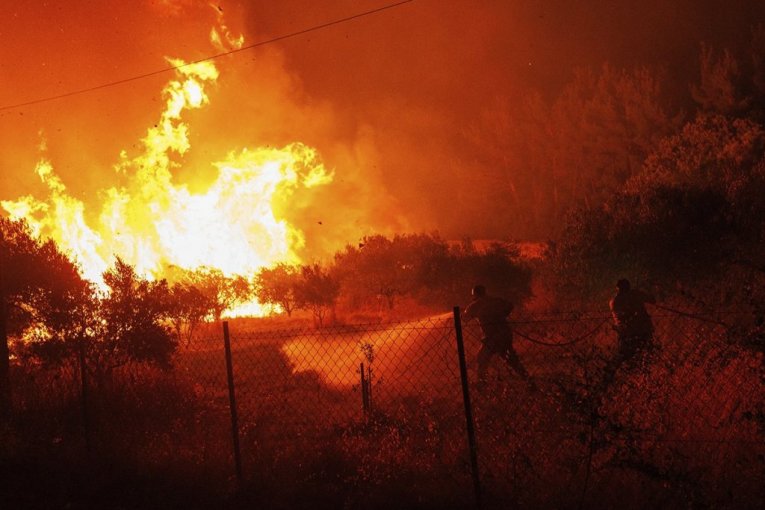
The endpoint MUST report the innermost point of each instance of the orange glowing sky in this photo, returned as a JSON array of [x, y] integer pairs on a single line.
[[384, 99]]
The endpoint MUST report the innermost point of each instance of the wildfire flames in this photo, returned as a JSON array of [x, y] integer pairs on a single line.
[[154, 223]]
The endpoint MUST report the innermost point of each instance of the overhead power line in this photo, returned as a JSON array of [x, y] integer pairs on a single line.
[[212, 57]]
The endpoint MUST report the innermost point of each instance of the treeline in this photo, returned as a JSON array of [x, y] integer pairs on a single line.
[[379, 272], [53, 314]]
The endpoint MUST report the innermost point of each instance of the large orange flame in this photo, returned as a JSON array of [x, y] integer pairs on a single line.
[[154, 223]]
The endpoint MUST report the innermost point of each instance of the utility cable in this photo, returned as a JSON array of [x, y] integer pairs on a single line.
[[206, 59]]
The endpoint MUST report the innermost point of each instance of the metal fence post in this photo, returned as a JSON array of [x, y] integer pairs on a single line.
[[232, 404], [468, 409], [364, 393], [370, 402], [5, 366], [84, 394]]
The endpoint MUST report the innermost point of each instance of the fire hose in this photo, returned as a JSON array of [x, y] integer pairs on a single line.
[[561, 344], [596, 328], [691, 315]]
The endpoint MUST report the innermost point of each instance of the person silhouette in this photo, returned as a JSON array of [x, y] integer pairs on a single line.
[[633, 326], [491, 313]]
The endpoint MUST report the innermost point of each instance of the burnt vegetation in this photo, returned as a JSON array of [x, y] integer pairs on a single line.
[[672, 199]]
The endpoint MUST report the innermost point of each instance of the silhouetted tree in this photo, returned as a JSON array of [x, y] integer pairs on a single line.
[[718, 90], [189, 307], [732, 83], [497, 266], [696, 204], [126, 323], [390, 268], [709, 151], [276, 286], [317, 291], [223, 292], [38, 286], [426, 268], [578, 148]]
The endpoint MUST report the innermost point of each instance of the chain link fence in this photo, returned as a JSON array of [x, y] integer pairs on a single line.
[[361, 415]]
